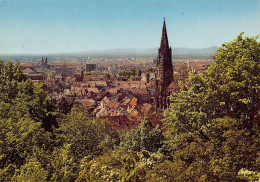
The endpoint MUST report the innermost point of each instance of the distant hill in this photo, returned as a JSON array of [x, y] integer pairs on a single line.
[[177, 53], [190, 51], [152, 52]]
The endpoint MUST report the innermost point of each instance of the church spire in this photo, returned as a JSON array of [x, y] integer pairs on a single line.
[[164, 39], [164, 74]]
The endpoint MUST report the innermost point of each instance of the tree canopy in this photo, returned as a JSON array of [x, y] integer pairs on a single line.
[[213, 121], [210, 131]]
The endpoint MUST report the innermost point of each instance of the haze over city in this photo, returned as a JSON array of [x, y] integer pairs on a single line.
[[39, 27]]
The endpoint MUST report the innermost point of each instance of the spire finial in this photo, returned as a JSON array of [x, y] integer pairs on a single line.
[[164, 39]]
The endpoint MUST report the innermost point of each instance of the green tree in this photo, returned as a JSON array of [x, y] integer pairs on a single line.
[[63, 164], [86, 136], [249, 175], [32, 171], [144, 137], [20, 139], [20, 97], [25, 114], [211, 123], [10, 75], [235, 77], [132, 171]]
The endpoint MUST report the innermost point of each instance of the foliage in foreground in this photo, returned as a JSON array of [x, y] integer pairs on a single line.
[[211, 130], [213, 124]]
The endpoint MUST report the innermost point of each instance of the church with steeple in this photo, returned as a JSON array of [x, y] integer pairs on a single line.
[[164, 72], [43, 65]]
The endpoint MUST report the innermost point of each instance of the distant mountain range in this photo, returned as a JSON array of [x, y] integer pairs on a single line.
[[177, 52], [151, 52]]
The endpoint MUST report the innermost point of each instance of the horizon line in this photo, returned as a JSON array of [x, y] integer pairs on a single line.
[[100, 50]]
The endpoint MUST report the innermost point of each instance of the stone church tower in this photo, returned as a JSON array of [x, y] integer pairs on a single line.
[[164, 72]]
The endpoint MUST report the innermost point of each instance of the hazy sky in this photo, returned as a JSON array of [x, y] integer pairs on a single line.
[[57, 26]]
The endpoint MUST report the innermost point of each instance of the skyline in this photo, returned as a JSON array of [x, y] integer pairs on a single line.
[[45, 26]]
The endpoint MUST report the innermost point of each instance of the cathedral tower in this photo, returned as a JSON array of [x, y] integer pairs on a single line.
[[164, 73]]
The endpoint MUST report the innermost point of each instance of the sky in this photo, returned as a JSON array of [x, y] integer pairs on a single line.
[[65, 26]]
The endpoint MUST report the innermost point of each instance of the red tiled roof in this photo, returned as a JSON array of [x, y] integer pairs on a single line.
[[173, 86], [29, 71], [155, 121], [113, 90], [146, 108], [139, 91], [112, 104], [86, 102], [133, 102], [124, 106], [93, 89], [26, 64]]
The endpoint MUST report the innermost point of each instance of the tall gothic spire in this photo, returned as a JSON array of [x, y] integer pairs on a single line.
[[164, 74], [164, 39]]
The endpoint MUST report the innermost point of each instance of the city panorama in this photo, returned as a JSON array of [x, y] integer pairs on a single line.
[[129, 91]]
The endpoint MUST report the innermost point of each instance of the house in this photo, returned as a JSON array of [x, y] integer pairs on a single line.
[[113, 91], [127, 85], [141, 94], [26, 65], [32, 74], [133, 102], [136, 78], [147, 109], [135, 114], [96, 83], [122, 122], [63, 69], [101, 112], [86, 102], [104, 102], [173, 87], [67, 92], [113, 105], [126, 101], [121, 111], [79, 91], [94, 90]]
